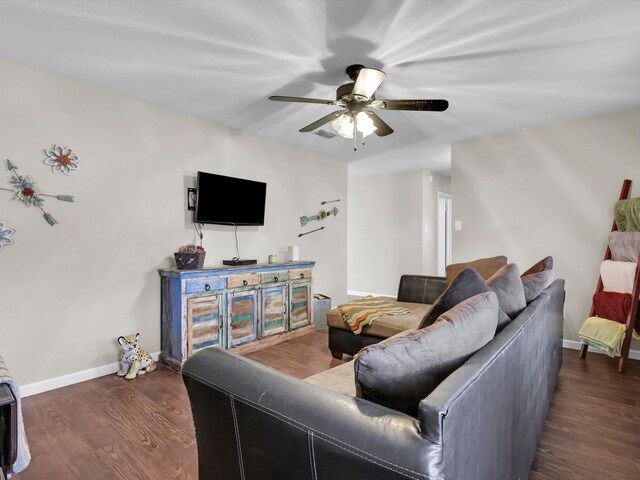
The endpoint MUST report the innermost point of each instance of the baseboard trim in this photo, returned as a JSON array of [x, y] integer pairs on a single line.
[[91, 373], [71, 378], [355, 293], [573, 345]]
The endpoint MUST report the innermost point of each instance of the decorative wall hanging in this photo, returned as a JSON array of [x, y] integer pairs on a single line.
[[61, 159], [5, 235], [25, 190], [329, 201], [310, 231], [321, 215]]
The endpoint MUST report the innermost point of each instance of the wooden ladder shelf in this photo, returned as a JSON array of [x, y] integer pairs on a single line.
[[631, 317]]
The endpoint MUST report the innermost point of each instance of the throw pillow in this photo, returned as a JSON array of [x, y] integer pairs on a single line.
[[402, 370], [537, 278], [467, 284], [508, 286], [484, 266], [545, 264]]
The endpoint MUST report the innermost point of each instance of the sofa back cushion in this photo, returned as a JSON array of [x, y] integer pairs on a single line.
[[400, 371], [537, 278], [545, 264], [420, 288], [508, 286], [484, 266], [466, 284]]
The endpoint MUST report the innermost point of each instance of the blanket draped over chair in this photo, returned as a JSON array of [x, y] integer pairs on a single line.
[[24, 456], [365, 310]]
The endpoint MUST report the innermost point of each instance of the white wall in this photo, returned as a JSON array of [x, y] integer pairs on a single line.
[[547, 191], [67, 292], [386, 229]]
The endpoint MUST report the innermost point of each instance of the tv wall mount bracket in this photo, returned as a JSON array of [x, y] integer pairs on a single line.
[[191, 199]]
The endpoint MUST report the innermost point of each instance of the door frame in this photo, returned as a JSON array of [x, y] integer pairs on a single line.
[[445, 231]]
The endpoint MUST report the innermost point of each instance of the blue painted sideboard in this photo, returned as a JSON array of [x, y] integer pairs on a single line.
[[232, 306]]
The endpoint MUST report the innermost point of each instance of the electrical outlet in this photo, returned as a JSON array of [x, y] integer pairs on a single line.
[[458, 225]]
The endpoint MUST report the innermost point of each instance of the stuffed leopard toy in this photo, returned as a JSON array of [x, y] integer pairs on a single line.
[[133, 361]]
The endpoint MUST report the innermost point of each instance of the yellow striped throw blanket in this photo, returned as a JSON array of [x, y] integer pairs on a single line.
[[365, 310]]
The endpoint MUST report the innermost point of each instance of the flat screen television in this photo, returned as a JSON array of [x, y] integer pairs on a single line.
[[229, 201]]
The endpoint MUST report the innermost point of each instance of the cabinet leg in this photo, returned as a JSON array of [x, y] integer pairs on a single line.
[[336, 354]]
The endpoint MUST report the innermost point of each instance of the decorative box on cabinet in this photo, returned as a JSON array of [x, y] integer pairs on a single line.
[[232, 306]]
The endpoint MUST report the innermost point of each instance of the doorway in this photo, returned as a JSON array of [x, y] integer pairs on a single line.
[[444, 232]]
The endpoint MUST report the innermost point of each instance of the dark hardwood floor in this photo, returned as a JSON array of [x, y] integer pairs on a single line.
[[110, 428]]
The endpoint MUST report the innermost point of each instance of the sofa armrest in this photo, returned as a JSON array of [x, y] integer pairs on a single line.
[[421, 288], [254, 422]]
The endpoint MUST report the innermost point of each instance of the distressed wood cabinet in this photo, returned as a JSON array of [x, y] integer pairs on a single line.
[[232, 306]]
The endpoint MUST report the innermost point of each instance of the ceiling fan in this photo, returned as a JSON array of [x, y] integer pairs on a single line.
[[357, 102]]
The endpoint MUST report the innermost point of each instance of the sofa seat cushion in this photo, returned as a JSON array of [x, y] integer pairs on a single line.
[[387, 325], [341, 379], [404, 369]]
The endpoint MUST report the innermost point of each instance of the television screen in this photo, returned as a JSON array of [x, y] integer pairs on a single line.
[[229, 201]]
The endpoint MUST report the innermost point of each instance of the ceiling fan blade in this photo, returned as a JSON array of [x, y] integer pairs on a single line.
[[318, 123], [416, 105], [368, 81], [382, 129], [278, 98]]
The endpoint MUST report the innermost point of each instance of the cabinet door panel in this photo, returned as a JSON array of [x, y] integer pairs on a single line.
[[203, 316], [243, 315], [299, 304], [274, 312]]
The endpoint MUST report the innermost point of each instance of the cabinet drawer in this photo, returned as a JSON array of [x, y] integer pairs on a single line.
[[299, 274], [274, 277], [200, 286], [236, 281]]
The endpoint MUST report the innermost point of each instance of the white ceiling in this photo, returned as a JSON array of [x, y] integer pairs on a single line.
[[503, 65]]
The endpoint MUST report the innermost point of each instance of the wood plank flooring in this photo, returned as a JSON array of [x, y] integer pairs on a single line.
[[110, 428]]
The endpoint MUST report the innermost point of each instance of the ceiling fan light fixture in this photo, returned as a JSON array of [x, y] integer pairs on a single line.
[[357, 105], [364, 124], [367, 82], [343, 125]]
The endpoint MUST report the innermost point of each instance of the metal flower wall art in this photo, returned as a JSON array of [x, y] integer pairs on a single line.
[[5, 235], [61, 159], [25, 190]]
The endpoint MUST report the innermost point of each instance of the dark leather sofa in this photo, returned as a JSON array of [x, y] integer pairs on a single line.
[[481, 423]]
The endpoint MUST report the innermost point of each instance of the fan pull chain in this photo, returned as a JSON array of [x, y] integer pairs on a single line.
[[355, 134]]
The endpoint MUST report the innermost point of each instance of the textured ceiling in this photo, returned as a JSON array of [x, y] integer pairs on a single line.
[[502, 65]]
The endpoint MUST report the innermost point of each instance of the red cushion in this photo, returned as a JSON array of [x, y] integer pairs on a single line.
[[612, 305]]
